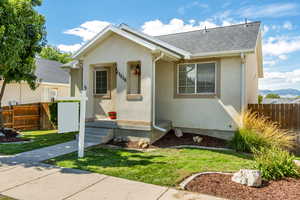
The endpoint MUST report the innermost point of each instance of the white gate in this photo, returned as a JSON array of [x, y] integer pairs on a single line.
[[72, 118]]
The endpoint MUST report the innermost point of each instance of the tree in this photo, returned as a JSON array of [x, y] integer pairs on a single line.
[[272, 96], [260, 99], [53, 53], [22, 36]]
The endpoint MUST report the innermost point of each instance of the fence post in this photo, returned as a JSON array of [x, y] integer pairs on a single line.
[[83, 99]]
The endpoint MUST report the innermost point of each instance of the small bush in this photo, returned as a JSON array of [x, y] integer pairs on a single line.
[[245, 140], [258, 131], [53, 112], [275, 163]]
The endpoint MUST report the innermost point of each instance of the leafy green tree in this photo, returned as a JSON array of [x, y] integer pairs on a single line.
[[260, 99], [272, 96], [53, 53], [22, 36]]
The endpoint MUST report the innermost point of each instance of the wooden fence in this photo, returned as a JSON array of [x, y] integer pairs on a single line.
[[27, 117], [287, 115]]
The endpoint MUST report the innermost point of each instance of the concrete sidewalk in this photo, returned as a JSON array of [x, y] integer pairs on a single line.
[[24, 177], [45, 153]]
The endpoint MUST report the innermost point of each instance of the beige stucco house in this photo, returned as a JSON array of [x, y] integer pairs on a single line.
[[53, 82], [197, 81]]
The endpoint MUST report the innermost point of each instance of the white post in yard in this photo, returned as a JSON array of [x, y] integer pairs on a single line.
[[83, 99]]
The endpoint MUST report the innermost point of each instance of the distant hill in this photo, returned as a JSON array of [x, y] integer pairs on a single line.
[[282, 92]]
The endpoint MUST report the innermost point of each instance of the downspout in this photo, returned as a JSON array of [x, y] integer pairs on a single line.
[[154, 92], [243, 88]]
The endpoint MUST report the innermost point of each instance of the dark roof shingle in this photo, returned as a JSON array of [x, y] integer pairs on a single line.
[[219, 39]]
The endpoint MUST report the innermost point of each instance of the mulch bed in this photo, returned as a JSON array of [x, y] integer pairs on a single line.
[[222, 186], [170, 139], [4, 139]]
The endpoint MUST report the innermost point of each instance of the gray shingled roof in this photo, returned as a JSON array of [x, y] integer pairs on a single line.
[[227, 38], [51, 71]]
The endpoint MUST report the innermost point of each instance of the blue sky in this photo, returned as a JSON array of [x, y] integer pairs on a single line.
[[70, 23]]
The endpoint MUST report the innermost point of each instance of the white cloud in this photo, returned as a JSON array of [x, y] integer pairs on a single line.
[[88, 29], [271, 10], [279, 80], [288, 25], [156, 27], [276, 46], [69, 48], [85, 31]]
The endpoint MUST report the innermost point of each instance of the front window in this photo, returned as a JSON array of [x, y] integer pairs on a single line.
[[199, 78], [101, 82]]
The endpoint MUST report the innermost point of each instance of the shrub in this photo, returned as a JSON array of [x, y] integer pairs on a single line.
[[275, 163], [245, 140], [53, 112], [257, 131]]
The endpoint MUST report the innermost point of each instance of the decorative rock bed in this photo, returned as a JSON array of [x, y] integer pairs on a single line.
[[221, 185]]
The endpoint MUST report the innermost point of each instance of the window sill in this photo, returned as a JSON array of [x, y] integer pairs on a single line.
[[102, 96], [135, 97], [188, 96]]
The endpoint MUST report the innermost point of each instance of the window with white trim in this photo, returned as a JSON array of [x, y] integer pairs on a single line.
[[101, 81], [197, 78]]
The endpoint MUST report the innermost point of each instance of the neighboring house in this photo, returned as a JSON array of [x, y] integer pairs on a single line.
[[281, 101], [54, 82], [198, 81]]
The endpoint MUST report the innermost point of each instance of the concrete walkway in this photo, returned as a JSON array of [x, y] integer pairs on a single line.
[[45, 153], [24, 177]]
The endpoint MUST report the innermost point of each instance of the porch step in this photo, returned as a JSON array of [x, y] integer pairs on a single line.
[[101, 124], [98, 135]]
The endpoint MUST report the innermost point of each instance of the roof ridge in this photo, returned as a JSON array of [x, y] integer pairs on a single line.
[[208, 29]]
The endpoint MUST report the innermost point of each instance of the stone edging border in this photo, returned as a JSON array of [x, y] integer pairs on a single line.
[[200, 147], [20, 142], [186, 181]]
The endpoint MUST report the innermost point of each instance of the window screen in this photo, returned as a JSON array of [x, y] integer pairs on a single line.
[[101, 82]]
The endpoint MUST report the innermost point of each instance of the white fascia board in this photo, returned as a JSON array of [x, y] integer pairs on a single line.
[[186, 54], [118, 31], [222, 53]]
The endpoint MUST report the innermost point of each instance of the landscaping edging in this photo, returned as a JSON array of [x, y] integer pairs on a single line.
[[200, 147], [186, 181], [21, 142]]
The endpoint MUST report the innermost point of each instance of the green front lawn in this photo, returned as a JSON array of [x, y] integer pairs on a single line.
[[41, 138], [165, 167]]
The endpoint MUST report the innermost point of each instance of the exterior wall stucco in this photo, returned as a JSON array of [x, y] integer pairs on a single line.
[[76, 81], [251, 79], [199, 113], [22, 94], [120, 51]]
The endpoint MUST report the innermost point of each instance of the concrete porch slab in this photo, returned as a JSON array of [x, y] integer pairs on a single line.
[[61, 185], [116, 188]]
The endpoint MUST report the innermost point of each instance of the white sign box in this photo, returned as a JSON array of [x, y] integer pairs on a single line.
[[68, 117]]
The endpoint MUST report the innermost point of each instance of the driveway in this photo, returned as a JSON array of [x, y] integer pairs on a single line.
[[24, 177]]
